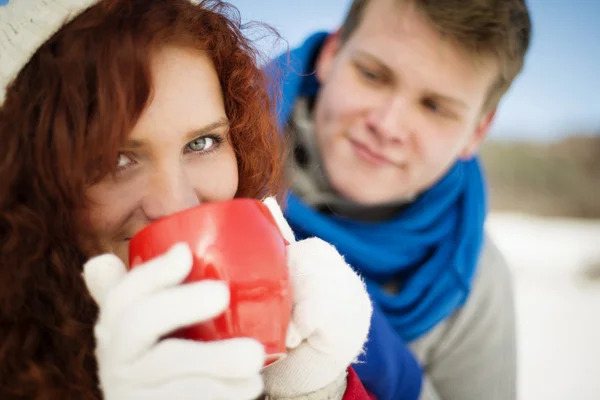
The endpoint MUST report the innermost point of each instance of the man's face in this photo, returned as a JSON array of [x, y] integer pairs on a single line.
[[398, 105]]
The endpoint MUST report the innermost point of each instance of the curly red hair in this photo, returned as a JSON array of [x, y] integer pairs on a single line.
[[63, 120]]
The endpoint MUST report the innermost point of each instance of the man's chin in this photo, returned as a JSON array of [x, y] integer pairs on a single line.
[[367, 194], [361, 194], [365, 187]]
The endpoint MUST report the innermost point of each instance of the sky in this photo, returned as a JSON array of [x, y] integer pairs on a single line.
[[556, 95]]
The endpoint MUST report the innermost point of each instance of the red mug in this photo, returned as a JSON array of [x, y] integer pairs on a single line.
[[239, 242]]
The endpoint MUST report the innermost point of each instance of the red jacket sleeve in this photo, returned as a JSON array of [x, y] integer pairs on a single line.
[[355, 389]]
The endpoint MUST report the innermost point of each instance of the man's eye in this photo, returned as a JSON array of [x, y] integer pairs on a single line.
[[369, 75], [432, 106]]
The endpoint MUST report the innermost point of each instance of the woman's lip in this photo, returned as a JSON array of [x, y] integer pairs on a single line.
[[368, 155]]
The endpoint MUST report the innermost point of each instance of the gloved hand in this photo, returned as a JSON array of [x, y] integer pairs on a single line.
[[139, 307], [330, 321]]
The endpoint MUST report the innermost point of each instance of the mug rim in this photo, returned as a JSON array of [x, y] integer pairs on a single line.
[[200, 208]]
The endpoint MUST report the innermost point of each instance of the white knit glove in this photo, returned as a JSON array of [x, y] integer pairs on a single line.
[[139, 307], [330, 321]]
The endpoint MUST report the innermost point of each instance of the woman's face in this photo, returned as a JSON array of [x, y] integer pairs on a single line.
[[177, 156]]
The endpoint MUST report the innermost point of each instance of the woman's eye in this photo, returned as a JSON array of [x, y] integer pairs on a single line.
[[201, 144], [369, 75], [123, 161]]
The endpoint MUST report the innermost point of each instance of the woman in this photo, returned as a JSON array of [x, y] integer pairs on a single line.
[[114, 114]]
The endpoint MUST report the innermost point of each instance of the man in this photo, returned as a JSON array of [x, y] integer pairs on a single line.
[[386, 116]]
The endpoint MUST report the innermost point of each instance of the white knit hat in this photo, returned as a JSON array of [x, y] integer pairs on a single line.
[[25, 25]]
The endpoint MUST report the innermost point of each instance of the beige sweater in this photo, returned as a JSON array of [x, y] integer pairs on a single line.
[[472, 355]]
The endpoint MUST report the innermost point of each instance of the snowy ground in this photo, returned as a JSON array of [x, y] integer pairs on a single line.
[[558, 303]]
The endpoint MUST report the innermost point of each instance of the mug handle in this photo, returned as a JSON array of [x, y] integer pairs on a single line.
[[284, 227]]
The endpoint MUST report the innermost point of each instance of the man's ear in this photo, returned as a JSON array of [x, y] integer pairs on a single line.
[[327, 55], [481, 132]]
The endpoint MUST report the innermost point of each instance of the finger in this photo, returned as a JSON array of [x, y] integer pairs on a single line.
[[311, 258], [101, 274], [293, 337], [282, 224], [162, 313], [224, 359], [305, 319], [194, 388], [161, 272]]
